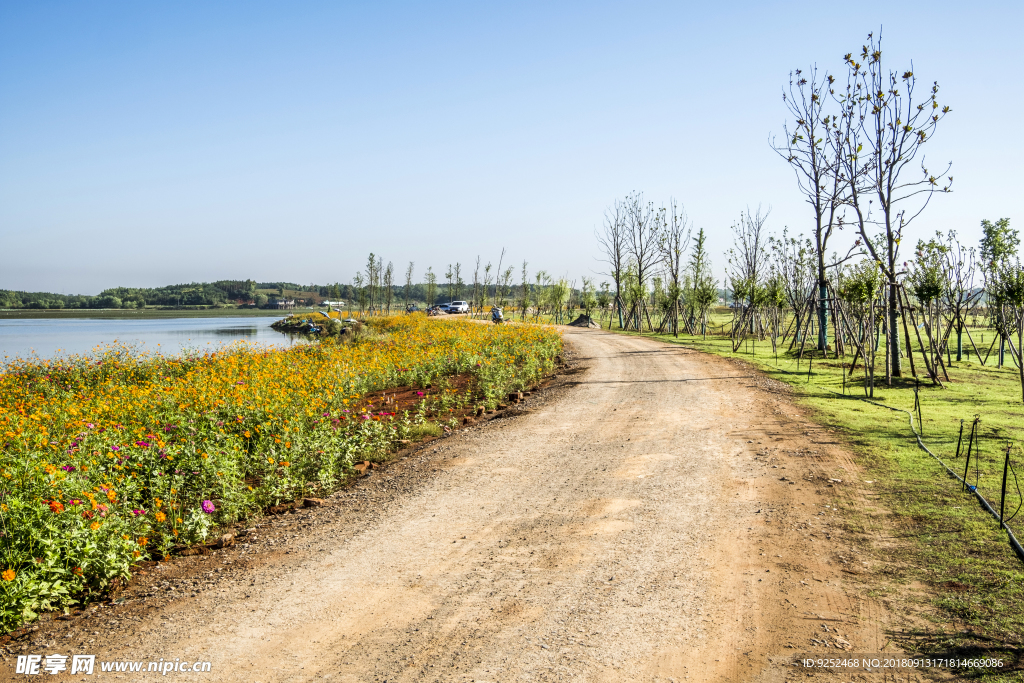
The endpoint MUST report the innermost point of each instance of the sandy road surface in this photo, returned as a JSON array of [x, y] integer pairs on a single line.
[[661, 518]]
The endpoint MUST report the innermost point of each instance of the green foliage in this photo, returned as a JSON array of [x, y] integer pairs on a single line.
[[860, 283], [1008, 284], [929, 277], [588, 299], [998, 242]]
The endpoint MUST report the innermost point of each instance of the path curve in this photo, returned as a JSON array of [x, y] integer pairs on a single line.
[[633, 529]]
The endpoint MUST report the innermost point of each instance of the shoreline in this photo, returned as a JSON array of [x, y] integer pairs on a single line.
[[129, 314]]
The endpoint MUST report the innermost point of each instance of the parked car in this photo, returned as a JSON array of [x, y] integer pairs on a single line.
[[458, 307], [412, 308], [442, 307]]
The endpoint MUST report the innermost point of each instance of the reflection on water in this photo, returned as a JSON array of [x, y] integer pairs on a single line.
[[52, 337], [236, 332]]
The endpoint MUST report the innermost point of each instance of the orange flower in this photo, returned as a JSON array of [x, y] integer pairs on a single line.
[[160, 516], [56, 506], [94, 526], [8, 575]]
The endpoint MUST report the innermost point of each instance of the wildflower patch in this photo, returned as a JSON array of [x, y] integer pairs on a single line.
[[110, 459]]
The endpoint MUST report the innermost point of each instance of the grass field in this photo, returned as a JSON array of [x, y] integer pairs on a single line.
[[952, 545]]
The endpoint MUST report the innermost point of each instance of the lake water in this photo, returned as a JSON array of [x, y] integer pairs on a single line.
[[57, 337]]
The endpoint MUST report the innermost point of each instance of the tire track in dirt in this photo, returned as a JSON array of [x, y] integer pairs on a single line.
[[659, 521]]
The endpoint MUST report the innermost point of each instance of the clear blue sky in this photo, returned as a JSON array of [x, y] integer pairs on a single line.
[[154, 143]]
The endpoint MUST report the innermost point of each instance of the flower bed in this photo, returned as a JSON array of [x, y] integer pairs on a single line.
[[111, 459]]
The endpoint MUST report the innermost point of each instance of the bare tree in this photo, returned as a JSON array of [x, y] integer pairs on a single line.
[[612, 239], [811, 151], [961, 294], [487, 284], [475, 304], [748, 258], [431, 278], [504, 285], [372, 269], [389, 281], [524, 292], [408, 283], [894, 127], [794, 262], [675, 240], [359, 285], [643, 233], [497, 276], [457, 271]]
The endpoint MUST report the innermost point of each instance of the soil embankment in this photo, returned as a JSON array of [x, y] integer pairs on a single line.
[[659, 517]]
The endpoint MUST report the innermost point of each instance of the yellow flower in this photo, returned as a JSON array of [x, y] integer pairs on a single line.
[[160, 516], [8, 575]]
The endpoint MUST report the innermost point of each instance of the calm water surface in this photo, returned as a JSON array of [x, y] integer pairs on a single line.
[[49, 337]]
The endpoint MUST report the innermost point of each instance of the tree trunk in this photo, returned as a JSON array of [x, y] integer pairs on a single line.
[[822, 315], [893, 332]]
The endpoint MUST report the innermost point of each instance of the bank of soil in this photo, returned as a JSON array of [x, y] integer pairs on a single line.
[[657, 515]]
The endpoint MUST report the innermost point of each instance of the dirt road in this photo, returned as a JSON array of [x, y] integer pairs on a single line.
[[661, 517]]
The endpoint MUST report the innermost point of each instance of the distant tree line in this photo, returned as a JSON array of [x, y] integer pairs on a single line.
[[193, 294], [368, 292]]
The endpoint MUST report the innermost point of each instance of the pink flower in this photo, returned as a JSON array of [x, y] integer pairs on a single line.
[[208, 507]]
